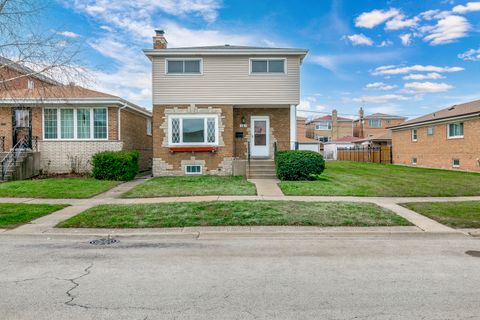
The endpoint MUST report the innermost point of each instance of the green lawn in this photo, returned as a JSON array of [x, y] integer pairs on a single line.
[[453, 214], [15, 214], [235, 213], [192, 186], [56, 188], [346, 178]]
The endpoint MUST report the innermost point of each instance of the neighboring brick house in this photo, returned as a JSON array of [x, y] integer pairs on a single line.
[[14, 76], [214, 107], [69, 124], [329, 127], [375, 124], [448, 139], [305, 143]]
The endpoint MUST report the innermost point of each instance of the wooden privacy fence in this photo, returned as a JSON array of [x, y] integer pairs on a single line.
[[366, 154]]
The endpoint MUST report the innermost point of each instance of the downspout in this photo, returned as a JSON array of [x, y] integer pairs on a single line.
[[119, 120]]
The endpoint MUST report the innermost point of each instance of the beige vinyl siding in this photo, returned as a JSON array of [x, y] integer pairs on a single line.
[[226, 80]]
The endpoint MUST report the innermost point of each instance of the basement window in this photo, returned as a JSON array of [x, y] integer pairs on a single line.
[[456, 163], [193, 169], [414, 161]]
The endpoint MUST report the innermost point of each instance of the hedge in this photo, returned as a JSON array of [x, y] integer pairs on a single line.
[[115, 165], [299, 165]]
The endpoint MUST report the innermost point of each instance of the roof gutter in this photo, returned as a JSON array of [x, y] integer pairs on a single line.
[[427, 122]]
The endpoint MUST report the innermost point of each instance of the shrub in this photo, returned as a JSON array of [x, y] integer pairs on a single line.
[[299, 165], [115, 165]]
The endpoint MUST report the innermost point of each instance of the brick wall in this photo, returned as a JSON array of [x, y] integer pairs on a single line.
[[6, 126], [168, 163], [437, 151], [64, 156], [21, 81], [367, 131], [134, 136], [279, 128]]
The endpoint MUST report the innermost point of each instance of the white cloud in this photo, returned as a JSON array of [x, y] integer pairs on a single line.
[[309, 103], [394, 70], [380, 86], [434, 14], [426, 87], [385, 43], [447, 30], [359, 39], [399, 22], [471, 6], [470, 55], [375, 17], [335, 61], [381, 98], [406, 39], [420, 76], [68, 34], [387, 109]]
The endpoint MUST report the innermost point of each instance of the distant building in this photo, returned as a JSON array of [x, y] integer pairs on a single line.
[[375, 124], [329, 127], [305, 143]]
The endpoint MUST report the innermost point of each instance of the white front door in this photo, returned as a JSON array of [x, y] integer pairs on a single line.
[[260, 140]]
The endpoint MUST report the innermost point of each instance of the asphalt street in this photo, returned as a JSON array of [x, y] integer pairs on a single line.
[[397, 277]]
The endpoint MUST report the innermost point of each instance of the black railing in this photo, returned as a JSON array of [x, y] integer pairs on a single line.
[[11, 158]]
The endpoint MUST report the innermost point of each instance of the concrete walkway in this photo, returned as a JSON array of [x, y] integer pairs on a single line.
[[267, 189]]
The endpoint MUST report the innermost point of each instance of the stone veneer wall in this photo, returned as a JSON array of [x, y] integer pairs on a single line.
[[65, 156], [214, 163]]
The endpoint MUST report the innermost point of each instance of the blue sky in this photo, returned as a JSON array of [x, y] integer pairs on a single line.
[[402, 57]]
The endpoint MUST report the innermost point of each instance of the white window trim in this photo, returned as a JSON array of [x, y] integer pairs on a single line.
[[416, 135], [285, 65], [455, 137], [193, 173], [433, 131], [192, 116], [456, 165], [59, 123], [30, 84], [183, 74], [375, 127]]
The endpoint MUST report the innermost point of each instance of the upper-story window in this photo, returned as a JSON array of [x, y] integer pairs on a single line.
[[267, 66], [455, 130], [375, 123], [184, 66], [414, 135], [30, 84], [324, 125]]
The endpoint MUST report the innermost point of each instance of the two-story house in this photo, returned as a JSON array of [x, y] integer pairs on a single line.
[[375, 125], [61, 127], [446, 139], [330, 127], [215, 107]]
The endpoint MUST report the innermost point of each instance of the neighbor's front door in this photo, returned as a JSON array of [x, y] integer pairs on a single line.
[[22, 126], [260, 146]]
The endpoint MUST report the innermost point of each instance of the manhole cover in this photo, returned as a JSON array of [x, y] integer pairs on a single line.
[[473, 253], [103, 242]]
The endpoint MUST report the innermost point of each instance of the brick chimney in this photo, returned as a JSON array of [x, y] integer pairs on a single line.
[[360, 122], [334, 125], [159, 41]]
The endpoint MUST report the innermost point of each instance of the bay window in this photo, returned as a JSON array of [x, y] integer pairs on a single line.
[[75, 124], [193, 130]]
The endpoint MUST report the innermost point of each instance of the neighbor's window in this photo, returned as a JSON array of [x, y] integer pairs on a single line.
[[184, 66], [267, 66], [149, 126], [375, 123], [456, 163], [414, 134], [429, 131], [193, 130], [455, 130], [70, 124], [324, 125], [30, 84], [414, 161], [324, 138]]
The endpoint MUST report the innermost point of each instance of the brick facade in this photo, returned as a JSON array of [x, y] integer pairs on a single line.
[[437, 151], [20, 81], [166, 162], [367, 131], [134, 135]]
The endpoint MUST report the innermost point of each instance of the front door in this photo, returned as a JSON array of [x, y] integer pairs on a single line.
[[22, 126], [260, 146]]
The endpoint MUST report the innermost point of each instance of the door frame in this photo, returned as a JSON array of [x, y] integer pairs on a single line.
[[252, 136], [15, 129]]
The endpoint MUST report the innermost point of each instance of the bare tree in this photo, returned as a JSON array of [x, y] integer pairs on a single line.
[[43, 53]]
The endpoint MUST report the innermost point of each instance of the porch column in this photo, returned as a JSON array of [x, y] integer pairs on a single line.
[[293, 126]]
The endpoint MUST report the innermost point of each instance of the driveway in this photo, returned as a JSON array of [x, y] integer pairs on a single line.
[[395, 277]]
